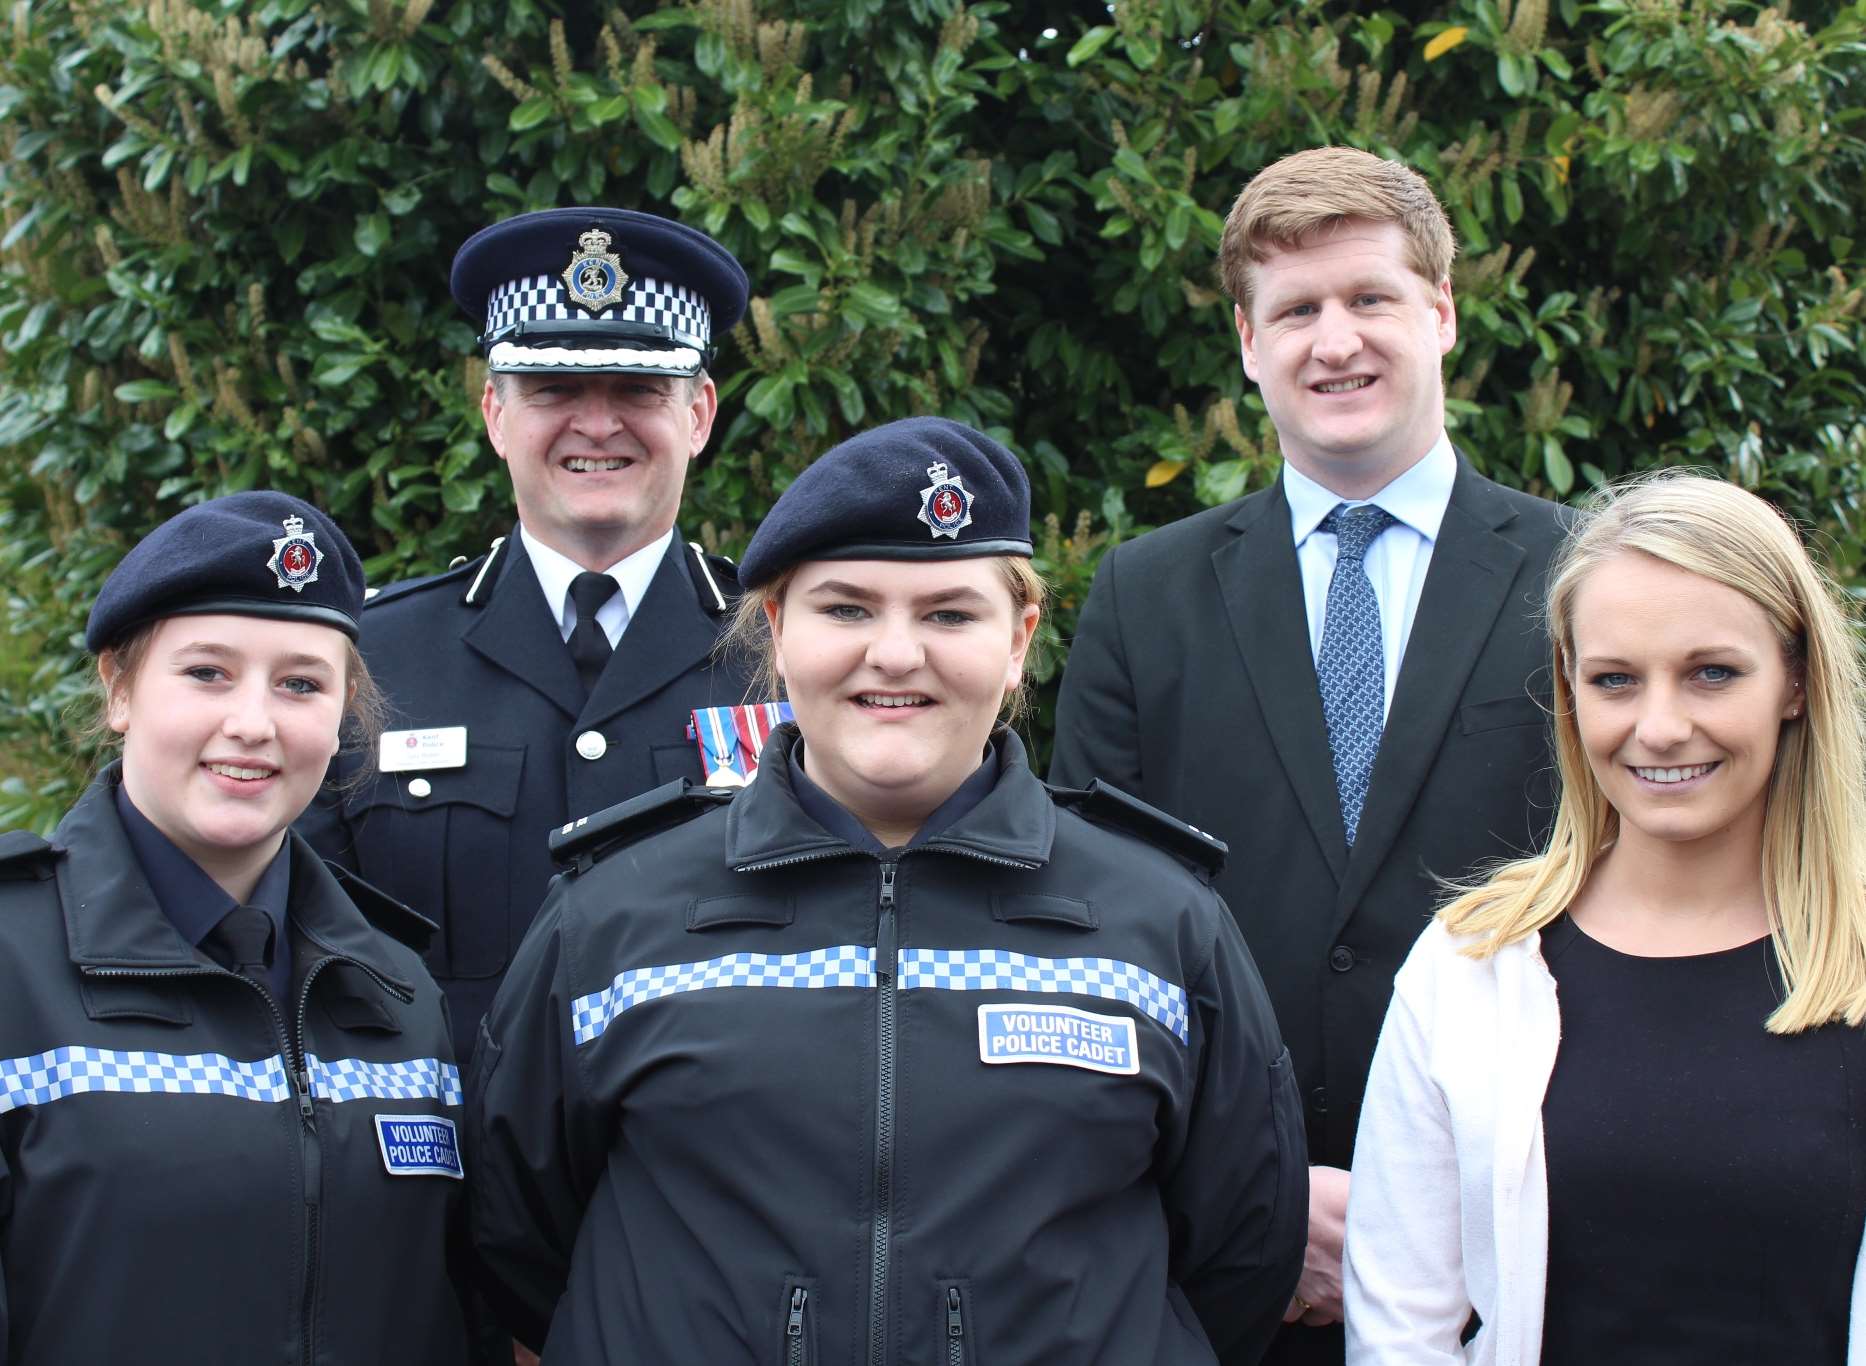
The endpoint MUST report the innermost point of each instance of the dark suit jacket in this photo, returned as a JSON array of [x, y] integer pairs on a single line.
[[477, 647], [1191, 684]]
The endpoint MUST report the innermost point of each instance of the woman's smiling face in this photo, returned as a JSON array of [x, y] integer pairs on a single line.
[[1681, 689], [897, 671]]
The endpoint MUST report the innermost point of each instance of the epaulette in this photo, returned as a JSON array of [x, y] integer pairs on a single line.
[[461, 568], [26, 857], [1107, 805], [579, 843], [715, 579], [404, 924]]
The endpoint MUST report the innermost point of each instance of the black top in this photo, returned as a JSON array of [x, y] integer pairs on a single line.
[[1707, 1186]]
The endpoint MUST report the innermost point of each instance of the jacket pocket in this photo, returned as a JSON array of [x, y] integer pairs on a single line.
[[440, 840], [798, 1316], [957, 1333], [1522, 710]]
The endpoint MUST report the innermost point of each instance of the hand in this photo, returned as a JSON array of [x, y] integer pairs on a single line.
[[523, 1356], [1318, 1293]]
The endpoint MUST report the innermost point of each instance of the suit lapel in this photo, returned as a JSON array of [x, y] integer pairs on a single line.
[[1262, 587], [516, 633], [1465, 588], [667, 636]]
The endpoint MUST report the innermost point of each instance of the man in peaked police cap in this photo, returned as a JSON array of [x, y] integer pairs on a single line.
[[555, 675]]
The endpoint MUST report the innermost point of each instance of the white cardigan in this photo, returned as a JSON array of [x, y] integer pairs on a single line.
[[1448, 1210]]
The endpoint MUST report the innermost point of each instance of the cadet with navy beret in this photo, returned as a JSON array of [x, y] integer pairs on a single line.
[[555, 675], [228, 1096], [897, 1054]]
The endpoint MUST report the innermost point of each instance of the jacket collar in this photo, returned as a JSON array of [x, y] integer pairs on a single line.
[[112, 918], [1015, 822]]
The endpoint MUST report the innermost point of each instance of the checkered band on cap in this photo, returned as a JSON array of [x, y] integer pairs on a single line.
[[76, 1071], [1002, 970], [674, 309], [344, 1079], [841, 965]]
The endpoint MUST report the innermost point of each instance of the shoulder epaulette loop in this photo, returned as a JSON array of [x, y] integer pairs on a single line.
[[24, 856], [1107, 805], [576, 845], [404, 924], [402, 588], [715, 579]]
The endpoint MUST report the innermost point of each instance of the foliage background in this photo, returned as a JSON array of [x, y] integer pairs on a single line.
[[225, 230]]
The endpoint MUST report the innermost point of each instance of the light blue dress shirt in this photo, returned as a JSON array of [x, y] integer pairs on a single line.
[[1397, 560]]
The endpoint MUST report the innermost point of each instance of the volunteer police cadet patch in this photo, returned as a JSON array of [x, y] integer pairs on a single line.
[[295, 556], [945, 504], [594, 278]]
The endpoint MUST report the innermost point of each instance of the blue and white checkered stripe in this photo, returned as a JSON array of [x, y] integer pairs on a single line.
[[853, 965], [344, 1079], [543, 298], [1001, 970], [77, 1071], [841, 965]]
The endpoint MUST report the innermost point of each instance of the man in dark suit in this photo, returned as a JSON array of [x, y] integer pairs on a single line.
[[555, 675], [1337, 675]]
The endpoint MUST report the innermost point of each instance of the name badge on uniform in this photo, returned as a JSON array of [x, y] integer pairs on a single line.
[[1060, 1035], [730, 739], [438, 747], [419, 1145]]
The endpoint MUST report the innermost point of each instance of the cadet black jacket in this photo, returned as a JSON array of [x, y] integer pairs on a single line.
[[467, 846], [1014, 1095], [189, 1172]]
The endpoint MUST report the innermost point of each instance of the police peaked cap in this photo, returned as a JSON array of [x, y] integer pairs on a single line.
[[259, 554], [923, 488], [598, 290]]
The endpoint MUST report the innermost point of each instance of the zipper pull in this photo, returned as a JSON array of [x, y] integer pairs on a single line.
[[793, 1327], [887, 886], [303, 1087], [955, 1322]]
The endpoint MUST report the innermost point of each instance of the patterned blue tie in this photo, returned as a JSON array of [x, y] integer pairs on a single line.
[[1351, 666]]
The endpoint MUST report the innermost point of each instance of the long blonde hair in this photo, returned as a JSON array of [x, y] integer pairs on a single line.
[[1814, 824]]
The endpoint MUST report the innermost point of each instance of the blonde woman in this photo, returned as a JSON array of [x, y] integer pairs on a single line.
[[1616, 1107]]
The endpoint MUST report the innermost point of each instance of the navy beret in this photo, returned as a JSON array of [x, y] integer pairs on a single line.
[[259, 554], [923, 488], [602, 290]]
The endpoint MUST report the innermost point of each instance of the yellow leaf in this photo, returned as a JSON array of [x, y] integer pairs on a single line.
[[1561, 169], [1445, 42], [1164, 472]]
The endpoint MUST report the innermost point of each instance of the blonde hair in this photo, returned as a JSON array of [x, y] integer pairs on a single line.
[[1290, 200], [748, 635], [1814, 823]]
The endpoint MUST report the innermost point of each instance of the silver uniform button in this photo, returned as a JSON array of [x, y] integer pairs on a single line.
[[591, 744], [419, 787]]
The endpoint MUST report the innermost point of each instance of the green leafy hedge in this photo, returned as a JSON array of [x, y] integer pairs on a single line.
[[226, 233]]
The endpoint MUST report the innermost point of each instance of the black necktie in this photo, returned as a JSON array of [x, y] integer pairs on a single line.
[[242, 941], [589, 647]]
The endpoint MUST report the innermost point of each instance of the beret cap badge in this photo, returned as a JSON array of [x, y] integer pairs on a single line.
[[295, 556], [594, 279], [946, 503]]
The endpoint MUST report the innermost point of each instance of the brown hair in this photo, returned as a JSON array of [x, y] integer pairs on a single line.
[[365, 712], [1290, 200], [748, 635]]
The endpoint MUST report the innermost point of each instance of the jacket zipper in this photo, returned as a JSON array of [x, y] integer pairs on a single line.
[[796, 1345], [955, 1327], [882, 1231]]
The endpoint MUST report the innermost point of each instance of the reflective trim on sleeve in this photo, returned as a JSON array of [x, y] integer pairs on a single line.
[[840, 965], [76, 1070], [1002, 970], [344, 1079]]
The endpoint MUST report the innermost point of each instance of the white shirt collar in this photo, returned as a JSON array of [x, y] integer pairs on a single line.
[[555, 571], [1418, 497]]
